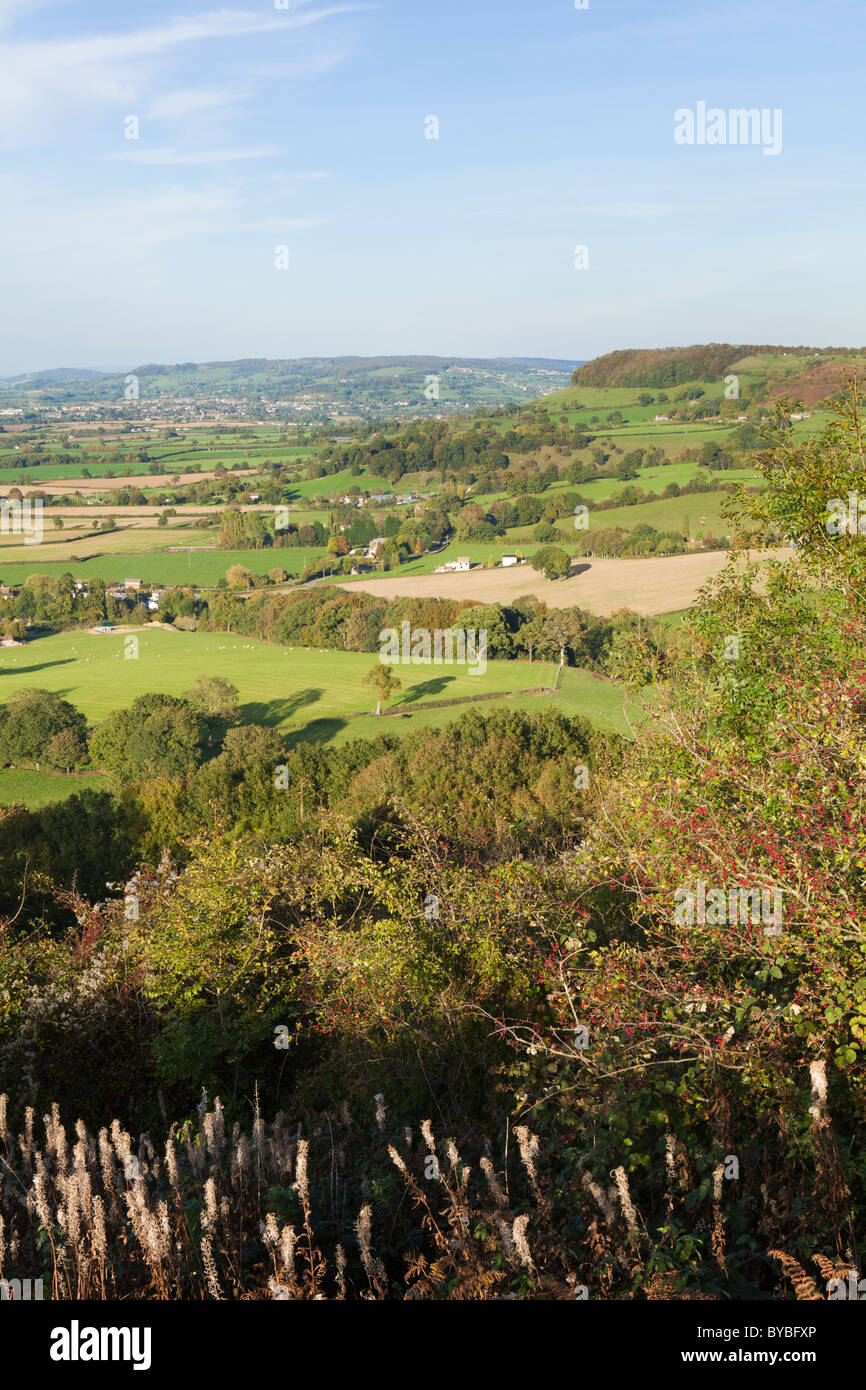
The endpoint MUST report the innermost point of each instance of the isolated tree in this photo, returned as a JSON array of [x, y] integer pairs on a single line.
[[384, 682], [551, 561]]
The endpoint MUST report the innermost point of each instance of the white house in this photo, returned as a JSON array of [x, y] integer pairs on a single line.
[[509, 560], [374, 546], [461, 563]]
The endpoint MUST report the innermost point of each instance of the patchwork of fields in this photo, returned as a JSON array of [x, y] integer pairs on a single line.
[[319, 695]]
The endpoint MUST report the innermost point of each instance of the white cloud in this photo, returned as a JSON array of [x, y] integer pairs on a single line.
[[187, 101], [43, 84], [103, 232]]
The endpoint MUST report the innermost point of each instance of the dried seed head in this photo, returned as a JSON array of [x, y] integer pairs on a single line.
[[521, 1244]]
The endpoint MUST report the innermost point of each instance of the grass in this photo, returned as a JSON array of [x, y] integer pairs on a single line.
[[34, 789], [199, 568], [579, 693], [344, 481], [278, 685], [702, 510], [320, 695]]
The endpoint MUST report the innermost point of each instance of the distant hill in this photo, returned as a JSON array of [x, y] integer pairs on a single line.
[[674, 366], [53, 376], [361, 386]]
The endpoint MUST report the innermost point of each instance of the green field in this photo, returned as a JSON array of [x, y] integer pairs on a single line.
[[278, 685], [34, 789], [701, 510], [200, 568], [344, 481], [318, 695]]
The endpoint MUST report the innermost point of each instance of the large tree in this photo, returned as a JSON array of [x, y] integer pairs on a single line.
[[551, 561], [158, 736], [384, 682], [32, 719]]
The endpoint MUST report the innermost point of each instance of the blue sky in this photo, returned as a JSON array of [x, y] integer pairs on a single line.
[[305, 127]]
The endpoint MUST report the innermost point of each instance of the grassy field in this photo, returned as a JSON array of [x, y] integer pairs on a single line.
[[278, 685], [700, 513], [199, 567], [579, 693], [318, 695], [34, 789], [344, 481]]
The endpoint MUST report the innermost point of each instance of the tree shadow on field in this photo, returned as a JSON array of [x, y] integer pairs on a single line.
[[318, 731], [40, 666], [281, 711], [576, 570], [425, 690]]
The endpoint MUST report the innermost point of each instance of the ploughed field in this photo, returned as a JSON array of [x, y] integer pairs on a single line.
[[602, 586]]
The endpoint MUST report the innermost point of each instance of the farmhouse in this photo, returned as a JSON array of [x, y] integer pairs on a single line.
[[461, 563], [508, 560], [376, 543], [132, 584]]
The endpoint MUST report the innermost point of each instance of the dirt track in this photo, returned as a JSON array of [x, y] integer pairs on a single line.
[[648, 587]]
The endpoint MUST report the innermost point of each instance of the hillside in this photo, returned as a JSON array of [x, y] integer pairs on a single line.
[[354, 386], [708, 362]]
